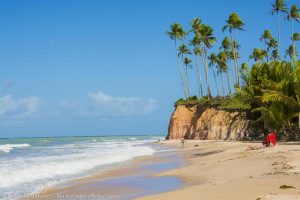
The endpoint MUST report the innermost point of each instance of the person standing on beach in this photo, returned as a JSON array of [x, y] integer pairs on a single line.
[[182, 142]]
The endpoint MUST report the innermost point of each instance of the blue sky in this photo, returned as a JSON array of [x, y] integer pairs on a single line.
[[95, 67]]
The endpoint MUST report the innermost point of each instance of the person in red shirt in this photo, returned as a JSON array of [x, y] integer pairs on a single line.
[[270, 139]]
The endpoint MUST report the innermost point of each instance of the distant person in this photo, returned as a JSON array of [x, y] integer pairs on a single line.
[[182, 142]]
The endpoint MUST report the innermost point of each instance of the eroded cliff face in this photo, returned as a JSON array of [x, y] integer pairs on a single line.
[[207, 123]]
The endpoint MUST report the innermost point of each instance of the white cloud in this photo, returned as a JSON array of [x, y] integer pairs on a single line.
[[120, 106], [102, 105], [18, 108]]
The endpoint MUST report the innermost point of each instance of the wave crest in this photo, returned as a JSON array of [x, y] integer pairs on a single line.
[[6, 148]]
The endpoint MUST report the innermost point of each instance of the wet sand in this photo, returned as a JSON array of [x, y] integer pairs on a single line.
[[130, 180]]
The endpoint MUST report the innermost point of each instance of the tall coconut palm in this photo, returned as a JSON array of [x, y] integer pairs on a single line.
[[257, 55], [268, 40], [226, 44], [294, 15], [272, 44], [296, 37], [278, 7], [195, 24], [197, 53], [245, 72], [196, 42], [212, 61], [233, 23], [183, 51], [266, 36], [176, 33], [187, 64], [291, 52], [274, 55], [221, 69], [207, 40], [222, 63]]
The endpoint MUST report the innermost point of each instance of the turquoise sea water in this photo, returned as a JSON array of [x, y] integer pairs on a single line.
[[29, 164]]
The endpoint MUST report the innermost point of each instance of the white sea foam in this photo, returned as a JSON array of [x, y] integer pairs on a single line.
[[44, 164], [6, 148]]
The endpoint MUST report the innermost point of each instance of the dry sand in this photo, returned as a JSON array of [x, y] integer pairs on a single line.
[[220, 170]]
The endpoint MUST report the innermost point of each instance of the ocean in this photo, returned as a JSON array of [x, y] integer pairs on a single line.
[[29, 164]]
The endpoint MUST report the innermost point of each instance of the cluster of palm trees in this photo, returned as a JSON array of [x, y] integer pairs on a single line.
[[272, 51], [271, 86], [201, 42], [272, 89]]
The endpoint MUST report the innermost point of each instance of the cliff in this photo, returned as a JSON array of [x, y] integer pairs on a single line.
[[207, 123]]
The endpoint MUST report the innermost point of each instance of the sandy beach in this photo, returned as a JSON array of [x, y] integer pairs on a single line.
[[202, 169], [236, 170]]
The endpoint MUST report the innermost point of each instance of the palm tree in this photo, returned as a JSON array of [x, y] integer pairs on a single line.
[[196, 42], [296, 37], [245, 72], [272, 44], [274, 55], [184, 50], [294, 15], [221, 69], [212, 61], [195, 24], [266, 36], [222, 63], [269, 41], [207, 39], [258, 55], [296, 84], [234, 23], [291, 52], [197, 52], [187, 63], [177, 33], [226, 44], [283, 93], [277, 7]]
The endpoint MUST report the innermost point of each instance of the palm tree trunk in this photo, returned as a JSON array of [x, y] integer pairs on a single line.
[[228, 80], [278, 32], [293, 44], [232, 74], [234, 61], [216, 81], [236, 64], [187, 82], [186, 78], [180, 71], [199, 79], [203, 56], [223, 88]]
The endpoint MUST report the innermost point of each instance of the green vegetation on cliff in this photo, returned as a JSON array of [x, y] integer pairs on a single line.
[[269, 89]]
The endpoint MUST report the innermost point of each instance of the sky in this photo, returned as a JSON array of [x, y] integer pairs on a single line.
[[105, 67]]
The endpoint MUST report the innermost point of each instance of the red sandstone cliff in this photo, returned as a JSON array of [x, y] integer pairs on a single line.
[[207, 123]]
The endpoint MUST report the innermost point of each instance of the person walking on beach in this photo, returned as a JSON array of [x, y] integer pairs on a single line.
[[182, 142]]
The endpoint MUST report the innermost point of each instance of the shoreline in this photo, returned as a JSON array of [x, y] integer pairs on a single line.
[[131, 179]]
